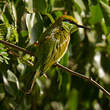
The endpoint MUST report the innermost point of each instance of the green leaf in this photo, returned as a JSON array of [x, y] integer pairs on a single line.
[[3, 54], [3, 30], [64, 60], [40, 5], [13, 13], [81, 4], [12, 78], [11, 83], [24, 33], [58, 14], [8, 30], [2, 92], [73, 100], [36, 6], [108, 39], [1, 59], [5, 20], [35, 26], [50, 5], [108, 46], [7, 86], [58, 3], [106, 14], [95, 10], [50, 17]]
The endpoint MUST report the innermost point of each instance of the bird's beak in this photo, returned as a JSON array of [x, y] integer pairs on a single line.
[[82, 26], [76, 26]]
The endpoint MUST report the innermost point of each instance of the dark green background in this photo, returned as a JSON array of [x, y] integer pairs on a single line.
[[21, 23]]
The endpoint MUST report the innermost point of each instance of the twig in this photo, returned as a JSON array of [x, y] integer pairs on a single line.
[[5, 5], [16, 47], [62, 67], [83, 77], [16, 55]]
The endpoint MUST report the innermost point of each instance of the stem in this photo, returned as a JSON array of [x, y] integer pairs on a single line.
[[84, 77], [16, 47], [62, 67]]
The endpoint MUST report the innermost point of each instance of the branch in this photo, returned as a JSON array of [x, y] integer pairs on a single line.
[[16, 47], [84, 77], [62, 67]]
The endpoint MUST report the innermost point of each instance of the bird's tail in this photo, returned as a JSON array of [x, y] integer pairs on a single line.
[[33, 82], [29, 78]]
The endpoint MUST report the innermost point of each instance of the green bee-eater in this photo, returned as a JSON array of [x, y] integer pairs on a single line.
[[53, 43]]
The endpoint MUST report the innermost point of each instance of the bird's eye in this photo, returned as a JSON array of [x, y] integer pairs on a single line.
[[65, 20], [69, 21]]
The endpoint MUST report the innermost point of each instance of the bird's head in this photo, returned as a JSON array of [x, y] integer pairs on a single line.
[[70, 23]]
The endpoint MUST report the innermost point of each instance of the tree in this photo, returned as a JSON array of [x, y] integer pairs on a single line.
[[21, 24]]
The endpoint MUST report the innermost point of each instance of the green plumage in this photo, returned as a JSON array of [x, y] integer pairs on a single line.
[[53, 44], [52, 47]]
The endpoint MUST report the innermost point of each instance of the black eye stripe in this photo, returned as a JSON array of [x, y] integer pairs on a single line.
[[70, 21]]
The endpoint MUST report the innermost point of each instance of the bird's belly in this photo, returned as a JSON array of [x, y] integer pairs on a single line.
[[61, 49], [63, 53]]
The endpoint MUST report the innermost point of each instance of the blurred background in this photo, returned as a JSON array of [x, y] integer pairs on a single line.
[[22, 22]]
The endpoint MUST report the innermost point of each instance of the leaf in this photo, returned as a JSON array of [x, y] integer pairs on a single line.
[[108, 46], [81, 4], [3, 30], [35, 26], [64, 60], [13, 13], [95, 10], [59, 3], [24, 33], [72, 103], [11, 83], [80, 31], [5, 20], [11, 77], [3, 54], [36, 6], [8, 30], [41, 86], [57, 105], [8, 87], [50, 17], [108, 39], [40, 5], [106, 14], [64, 80], [1, 59], [2, 92], [50, 5]]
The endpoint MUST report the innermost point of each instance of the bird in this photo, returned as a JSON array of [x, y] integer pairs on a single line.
[[53, 44]]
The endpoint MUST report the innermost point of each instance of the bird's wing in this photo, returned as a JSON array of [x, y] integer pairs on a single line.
[[46, 48], [50, 49]]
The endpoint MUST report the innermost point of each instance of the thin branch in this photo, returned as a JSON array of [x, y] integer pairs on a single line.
[[5, 5], [62, 67], [16, 47], [83, 77]]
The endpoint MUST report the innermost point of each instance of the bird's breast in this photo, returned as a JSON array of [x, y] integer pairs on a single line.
[[62, 39], [63, 46]]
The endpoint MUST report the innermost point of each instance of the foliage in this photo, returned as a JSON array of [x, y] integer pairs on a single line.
[[22, 22]]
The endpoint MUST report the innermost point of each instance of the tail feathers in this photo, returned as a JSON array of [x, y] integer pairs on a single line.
[[33, 82], [29, 77]]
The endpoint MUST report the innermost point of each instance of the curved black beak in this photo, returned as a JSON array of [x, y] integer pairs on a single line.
[[82, 26]]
